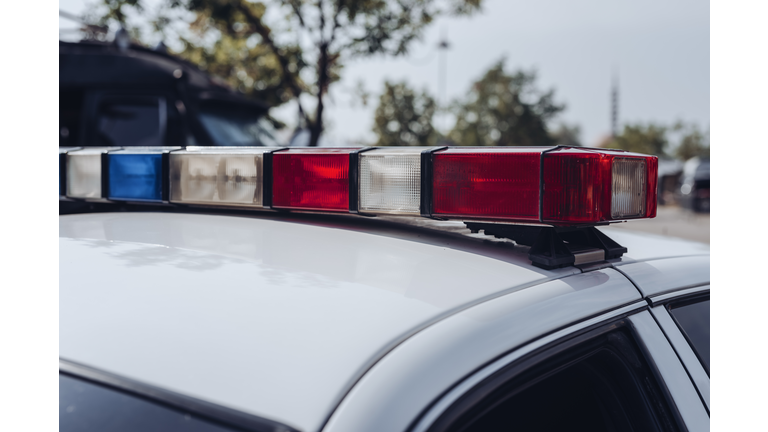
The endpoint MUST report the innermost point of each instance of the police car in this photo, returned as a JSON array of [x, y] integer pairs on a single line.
[[374, 289]]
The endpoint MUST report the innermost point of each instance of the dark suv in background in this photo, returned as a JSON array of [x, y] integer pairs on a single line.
[[136, 96], [694, 185]]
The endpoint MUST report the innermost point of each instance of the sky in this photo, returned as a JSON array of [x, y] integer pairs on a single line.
[[658, 50]]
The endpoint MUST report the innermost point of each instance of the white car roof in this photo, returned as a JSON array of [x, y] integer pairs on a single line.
[[277, 316]]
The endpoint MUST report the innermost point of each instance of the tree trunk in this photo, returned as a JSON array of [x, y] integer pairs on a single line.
[[316, 127]]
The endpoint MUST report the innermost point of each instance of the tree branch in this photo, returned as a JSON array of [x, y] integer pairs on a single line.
[[296, 6], [336, 24], [264, 32]]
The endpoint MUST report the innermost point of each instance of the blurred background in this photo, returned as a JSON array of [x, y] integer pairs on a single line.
[[598, 73]]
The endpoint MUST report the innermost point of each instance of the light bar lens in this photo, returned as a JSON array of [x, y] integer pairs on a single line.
[[629, 184], [390, 181], [487, 184], [574, 186], [228, 177], [136, 177], [315, 179], [84, 172], [590, 186]]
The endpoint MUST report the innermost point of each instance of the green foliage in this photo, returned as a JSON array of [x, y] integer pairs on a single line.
[[241, 60], [639, 138], [688, 140], [404, 117], [300, 49], [504, 110], [693, 142], [567, 135]]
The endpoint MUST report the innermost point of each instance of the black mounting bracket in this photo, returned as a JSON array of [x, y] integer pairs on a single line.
[[554, 247]]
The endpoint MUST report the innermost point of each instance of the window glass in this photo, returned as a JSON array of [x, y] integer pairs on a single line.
[[230, 126], [600, 385], [88, 407], [693, 320], [131, 121], [70, 109]]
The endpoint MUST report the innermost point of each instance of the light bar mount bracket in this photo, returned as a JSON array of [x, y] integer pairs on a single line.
[[555, 247]]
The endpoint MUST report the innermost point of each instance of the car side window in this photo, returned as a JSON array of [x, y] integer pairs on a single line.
[[131, 121], [693, 319], [601, 384], [86, 407]]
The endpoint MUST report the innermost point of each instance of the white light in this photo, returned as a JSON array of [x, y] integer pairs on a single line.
[[226, 176], [390, 181], [628, 188], [84, 172]]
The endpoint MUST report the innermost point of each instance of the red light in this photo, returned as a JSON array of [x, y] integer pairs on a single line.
[[653, 177], [316, 179], [501, 184], [577, 186]]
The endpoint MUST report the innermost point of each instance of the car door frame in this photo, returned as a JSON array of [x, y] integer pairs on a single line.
[[693, 367], [681, 394]]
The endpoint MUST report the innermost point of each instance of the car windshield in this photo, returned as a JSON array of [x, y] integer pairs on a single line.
[[231, 126]]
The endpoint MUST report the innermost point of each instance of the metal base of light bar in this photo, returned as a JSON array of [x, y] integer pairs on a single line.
[[554, 247]]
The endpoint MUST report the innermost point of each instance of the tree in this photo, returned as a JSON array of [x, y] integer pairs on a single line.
[[693, 141], [404, 117], [308, 39], [504, 110], [567, 135], [639, 138]]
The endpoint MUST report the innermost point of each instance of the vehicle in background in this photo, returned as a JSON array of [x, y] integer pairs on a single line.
[[694, 185], [134, 96], [670, 171]]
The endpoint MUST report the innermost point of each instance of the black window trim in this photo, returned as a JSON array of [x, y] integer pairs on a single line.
[[690, 360], [684, 301], [680, 295], [684, 296], [213, 413], [555, 343]]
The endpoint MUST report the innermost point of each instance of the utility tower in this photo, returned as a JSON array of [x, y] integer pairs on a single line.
[[443, 46], [615, 105]]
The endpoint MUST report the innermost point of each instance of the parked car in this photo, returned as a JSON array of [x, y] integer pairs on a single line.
[[135, 96], [694, 187]]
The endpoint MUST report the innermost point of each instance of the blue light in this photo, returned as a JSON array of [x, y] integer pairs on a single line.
[[136, 177]]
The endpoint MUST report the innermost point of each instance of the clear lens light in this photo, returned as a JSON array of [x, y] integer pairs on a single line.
[[628, 188], [84, 172], [226, 177], [390, 181]]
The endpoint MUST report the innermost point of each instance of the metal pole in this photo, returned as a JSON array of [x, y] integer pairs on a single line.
[[443, 46], [615, 105]]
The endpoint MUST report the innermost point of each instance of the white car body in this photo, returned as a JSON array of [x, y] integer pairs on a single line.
[[346, 324]]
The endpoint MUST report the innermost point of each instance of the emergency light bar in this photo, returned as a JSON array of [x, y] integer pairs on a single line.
[[541, 186]]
